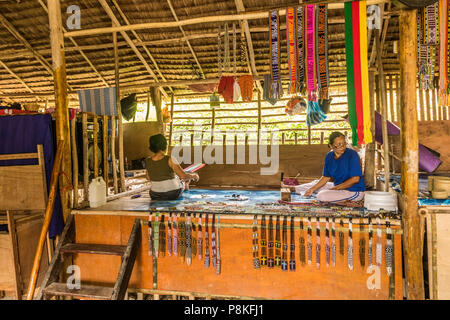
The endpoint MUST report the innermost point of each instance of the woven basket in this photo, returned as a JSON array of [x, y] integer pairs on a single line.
[[32, 107]]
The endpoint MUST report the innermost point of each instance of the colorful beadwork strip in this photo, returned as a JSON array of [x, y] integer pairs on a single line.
[[388, 249], [318, 243], [175, 235], [357, 71], [200, 238], [444, 53], [292, 247], [219, 262], [310, 46], [278, 243], [193, 237], [333, 242], [327, 241], [156, 235], [302, 244], [263, 242], [322, 50], [291, 46], [275, 54], [150, 236], [206, 243], [270, 261], [350, 245], [362, 245], [213, 242], [255, 243], [301, 49], [182, 237], [169, 234], [309, 244], [369, 254], [284, 263], [341, 238], [379, 245], [162, 237]]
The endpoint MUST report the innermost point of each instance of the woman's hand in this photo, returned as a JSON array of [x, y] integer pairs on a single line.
[[195, 177], [309, 192]]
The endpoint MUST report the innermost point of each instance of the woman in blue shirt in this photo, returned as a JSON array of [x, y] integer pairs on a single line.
[[343, 165]]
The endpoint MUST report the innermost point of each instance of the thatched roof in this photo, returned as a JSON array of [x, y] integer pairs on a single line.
[[90, 59]]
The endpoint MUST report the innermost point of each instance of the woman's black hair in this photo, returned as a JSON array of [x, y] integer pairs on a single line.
[[158, 143], [334, 135]]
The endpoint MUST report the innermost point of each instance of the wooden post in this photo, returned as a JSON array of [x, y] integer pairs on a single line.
[[384, 112], [213, 123], [309, 135], [95, 145], [74, 161], [421, 107], [105, 152], [259, 116], [113, 153], [14, 254], [171, 118], [369, 161], [412, 224], [61, 97], [119, 115], [427, 98], [433, 103], [148, 105], [296, 140], [391, 99], [85, 157], [398, 106]]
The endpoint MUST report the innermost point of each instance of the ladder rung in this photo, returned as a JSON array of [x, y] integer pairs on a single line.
[[86, 291], [94, 248]]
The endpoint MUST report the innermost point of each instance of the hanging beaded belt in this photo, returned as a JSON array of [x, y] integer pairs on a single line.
[[188, 240], [322, 50], [169, 234], [206, 243], [218, 263], [444, 59], [333, 242], [310, 52], [291, 46], [362, 245], [255, 242], [175, 235], [284, 263], [270, 261], [263, 241], [388, 249], [213, 242], [150, 237], [379, 245], [427, 26], [194, 237], [277, 243], [318, 243], [350, 245], [182, 237], [309, 242], [341, 238], [200, 238], [370, 242], [302, 243], [156, 235], [292, 247], [162, 237], [275, 54], [327, 241], [301, 49]]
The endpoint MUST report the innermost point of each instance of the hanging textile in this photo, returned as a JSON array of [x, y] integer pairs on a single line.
[[318, 243], [357, 71], [218, 263], [277, 243], [350, 245], [284, 263], [370, 242], [388, 249], [327, 241], [194, 237], [169, 234], [206, 243], [162, 237], [156, 235], [310, 49], [175, 236], [236, 91], [226, 88], [427, 41], [270, 261], [301, 49], [275, 54], [200, 238], [362, 245], [182, 237], [188, 240], [234, 49], [444, 51], [263, 242], [246, 85], [333, 242], [379, 244], [322, 50], [314, 113], [213, 242], [267, 92], [302, 244], [243, 50], [309, 242], [101, 101], [292, 247], [150, 236], [255, 242], [291, 45]]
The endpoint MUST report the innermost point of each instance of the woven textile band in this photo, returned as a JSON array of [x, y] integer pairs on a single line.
[[350, 245], [444, 59], [362, 245], [193, 238], [302, 244], [175, 236], [341, 238], [291, 40], [278, 243], [150, 236], [327, 242], [169, 234], [218, 263], [309, 244], [263, 259], [379, 245], [270, 261], [200, 238], [213, 242], [284, 263], [162, 237], [206, 243], [322, 50], [388, 249], [333, 242], [318, 243], [301, 49], [275, 54], [292, 247], [182, 237], [369, 253], [310, 51], [255, 243], [156, 235]]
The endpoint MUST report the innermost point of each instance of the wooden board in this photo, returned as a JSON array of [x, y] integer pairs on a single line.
[[238, 277]]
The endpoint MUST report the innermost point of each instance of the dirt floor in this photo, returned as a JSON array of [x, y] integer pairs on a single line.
[[436, 135]]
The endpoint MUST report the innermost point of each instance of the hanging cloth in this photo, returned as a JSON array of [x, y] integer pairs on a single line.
[[357, 71], [275, 54], [322, 50], [310, 51], [427, 34], [236, 91], [267, 92], [444, 58], [226, 88], [246, 85], [291, 40], [301, 49], [314, 114]]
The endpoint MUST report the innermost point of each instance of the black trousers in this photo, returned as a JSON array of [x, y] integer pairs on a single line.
[[169, 195]]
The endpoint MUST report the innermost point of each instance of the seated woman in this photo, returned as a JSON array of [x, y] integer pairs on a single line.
[[165, 173], [344, 166]]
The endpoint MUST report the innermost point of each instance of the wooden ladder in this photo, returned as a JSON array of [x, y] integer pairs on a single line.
[[50, 285]]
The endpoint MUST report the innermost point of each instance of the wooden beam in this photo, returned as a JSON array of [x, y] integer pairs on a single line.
[[412, 224], [171, 117], [187, 40], [199, 20], [130, 42]]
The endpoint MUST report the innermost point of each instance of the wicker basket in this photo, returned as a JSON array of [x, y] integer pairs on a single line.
[[32, 107]]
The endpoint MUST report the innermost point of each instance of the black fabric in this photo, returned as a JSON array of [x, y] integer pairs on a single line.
[[169, 195], [128, 106]]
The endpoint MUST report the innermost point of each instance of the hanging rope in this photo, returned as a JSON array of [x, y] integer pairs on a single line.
[[219, 53], [234, 49], [227, 62]]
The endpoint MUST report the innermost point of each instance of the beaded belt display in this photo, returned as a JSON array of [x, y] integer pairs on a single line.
[[255, 242], [388, 249], [200, 238], [213, 242], [275, 54], [362, 245], [270, 261], [291, 46], [369, 253], [333, 242], [318, 243], [379, 245], [156, 235], [150, 236], [310, 26], [350, 245], [292, 247], [182, 237], [194, 237], [243, 50], [175, 235], [206, 242], [427, 34], [302, 244], [219, 53], [301, 49], [263, 242], [277, 243], [309, 242], [444, 56], [322, 50], [169, 234], [341, 238], [188, 240], [218, 263], [327, 241], [162, 237], [284, 263]]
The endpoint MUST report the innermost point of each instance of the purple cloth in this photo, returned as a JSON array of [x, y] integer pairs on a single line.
[[22, 134], [427, 161]]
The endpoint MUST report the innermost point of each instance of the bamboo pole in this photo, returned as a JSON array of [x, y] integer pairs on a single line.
[[398, 106], [433, 104], [85, 157], [391, 98], [383, 113], [47, 217], [428, 107], [119, 115], [74, 161], [171, 118], [95, 145], [105, 152], [113, 154], [421, 105], [369, 162], [148, 105], [213, 123], [259, 117], [410, 157]]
